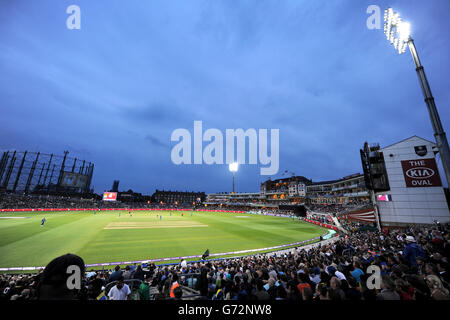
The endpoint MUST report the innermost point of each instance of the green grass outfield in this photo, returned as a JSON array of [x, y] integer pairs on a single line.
[[106, 237]]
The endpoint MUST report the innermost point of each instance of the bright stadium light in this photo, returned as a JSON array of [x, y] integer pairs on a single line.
[[398, 33], [233, 167]]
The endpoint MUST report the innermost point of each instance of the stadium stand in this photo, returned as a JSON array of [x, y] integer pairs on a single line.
[[413, 263]]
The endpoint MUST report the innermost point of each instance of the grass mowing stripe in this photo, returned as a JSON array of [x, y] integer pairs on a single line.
[[41, 248], [18, 232]]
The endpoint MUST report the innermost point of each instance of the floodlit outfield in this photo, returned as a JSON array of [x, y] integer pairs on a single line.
[[106, 237]]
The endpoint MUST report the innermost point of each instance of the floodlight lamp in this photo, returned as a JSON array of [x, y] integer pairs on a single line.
[[404, 31], [233, 166], [397, 31]]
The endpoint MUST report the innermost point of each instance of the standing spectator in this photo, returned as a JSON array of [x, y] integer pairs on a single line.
[[174, 285], [357, 272], [203, 281], [412, 250], [115, 275], [183, 264], [121, 291]]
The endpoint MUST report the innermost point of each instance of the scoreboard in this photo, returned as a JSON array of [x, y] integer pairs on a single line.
[[110, 196]]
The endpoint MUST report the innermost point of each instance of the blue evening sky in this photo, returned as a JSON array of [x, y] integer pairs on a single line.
[[113, 92]]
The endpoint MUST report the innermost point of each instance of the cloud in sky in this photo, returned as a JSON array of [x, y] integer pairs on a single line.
[[113, 92]]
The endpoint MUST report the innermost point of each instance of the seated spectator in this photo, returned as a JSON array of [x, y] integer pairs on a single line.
[[438, 292], [303, 282], [352, 292], [322, 292], [387, 290], [314, 276], [54, 279], [307, 294], [144, 290], [261, 293], [367, 294], [138, 273], [403, 289], [178, 293], [336, 293], [127, 274]]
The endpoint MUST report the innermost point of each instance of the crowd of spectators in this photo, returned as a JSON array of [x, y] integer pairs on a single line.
[[340, 208], [29, 201], [274, 211], [413, 265], [320, 218]]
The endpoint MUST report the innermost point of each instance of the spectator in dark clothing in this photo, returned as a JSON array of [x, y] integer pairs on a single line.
[[272, 291], [412, 250], [367, 294], [307, 294], [336, 293], [352, 293], [115, 275], [53, 283], [261, 293], [139, 274], [203, 281], [387, 289], [97, 285]]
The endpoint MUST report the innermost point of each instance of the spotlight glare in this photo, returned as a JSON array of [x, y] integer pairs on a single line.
[[233, 167], [397, 31]]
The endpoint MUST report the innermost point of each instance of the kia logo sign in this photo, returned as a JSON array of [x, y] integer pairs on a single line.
[[420, 173]]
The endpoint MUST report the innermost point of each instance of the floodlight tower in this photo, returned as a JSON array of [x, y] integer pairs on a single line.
[[398, 33], [233, 167]]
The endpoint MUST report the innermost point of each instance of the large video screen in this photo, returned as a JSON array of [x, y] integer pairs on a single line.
[[110, 196], [384, 197], [76, 180]]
